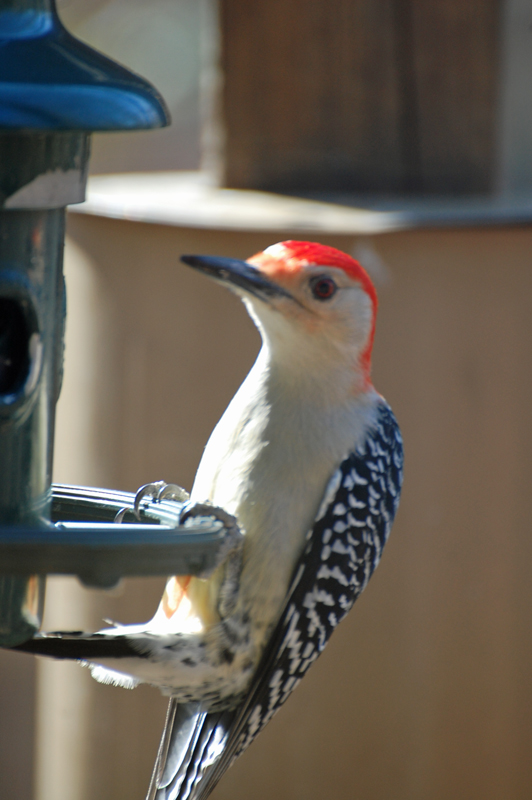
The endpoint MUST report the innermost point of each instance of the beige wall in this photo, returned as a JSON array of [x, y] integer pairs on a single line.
[[425, 691]]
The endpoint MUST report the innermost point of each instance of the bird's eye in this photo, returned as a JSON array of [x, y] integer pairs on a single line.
[[323, 287]]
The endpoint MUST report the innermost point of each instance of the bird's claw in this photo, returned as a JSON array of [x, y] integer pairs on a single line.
[[156, 491]]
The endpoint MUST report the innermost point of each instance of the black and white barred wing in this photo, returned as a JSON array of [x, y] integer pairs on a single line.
[[343, 548]]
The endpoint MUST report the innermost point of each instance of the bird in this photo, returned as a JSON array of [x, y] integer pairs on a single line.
[[304, 469]]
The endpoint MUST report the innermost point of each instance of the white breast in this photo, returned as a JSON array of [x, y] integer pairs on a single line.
[[268, 462]]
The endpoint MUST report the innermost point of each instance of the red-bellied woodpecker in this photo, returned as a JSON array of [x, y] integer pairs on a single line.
[[307, 459]]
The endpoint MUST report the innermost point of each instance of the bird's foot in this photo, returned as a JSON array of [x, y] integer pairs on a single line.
[[191, 510], [156, 492], [230, 552], [234, 538]]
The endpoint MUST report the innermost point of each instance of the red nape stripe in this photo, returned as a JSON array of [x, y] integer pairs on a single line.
[[294, 254]]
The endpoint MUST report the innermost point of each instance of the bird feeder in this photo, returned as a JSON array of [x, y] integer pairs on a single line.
[[55, 90]]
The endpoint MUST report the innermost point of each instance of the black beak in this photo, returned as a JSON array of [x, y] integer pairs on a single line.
[[238, 273]]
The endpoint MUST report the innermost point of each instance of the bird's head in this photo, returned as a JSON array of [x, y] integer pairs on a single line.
[[313, 304]]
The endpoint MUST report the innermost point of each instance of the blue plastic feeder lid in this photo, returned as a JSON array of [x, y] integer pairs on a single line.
[[49, 80]]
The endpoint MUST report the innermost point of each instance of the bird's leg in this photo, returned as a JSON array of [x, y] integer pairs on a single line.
[[230, 553], [234, 539]]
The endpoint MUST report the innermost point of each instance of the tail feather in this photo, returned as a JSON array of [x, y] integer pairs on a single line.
[[181, 730], [184, 732], [162, 752], [207, 752], [80, 646], [190, 747]]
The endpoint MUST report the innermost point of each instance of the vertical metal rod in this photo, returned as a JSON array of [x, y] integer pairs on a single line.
[[40, 169]]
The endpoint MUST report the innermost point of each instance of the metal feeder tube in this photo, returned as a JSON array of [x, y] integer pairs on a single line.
[[54, 90]]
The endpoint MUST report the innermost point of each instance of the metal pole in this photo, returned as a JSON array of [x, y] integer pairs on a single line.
[[39, 174]]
